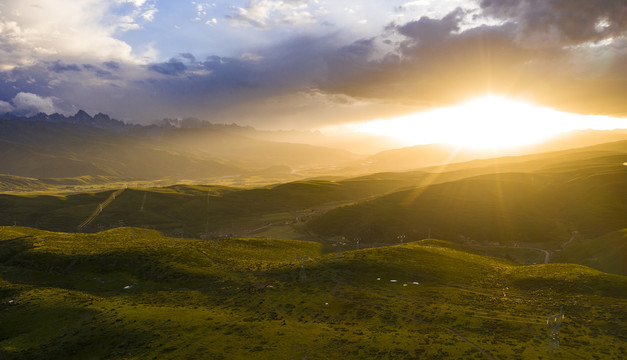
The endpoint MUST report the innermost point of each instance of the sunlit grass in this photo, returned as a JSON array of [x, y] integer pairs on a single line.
[[135, 293]]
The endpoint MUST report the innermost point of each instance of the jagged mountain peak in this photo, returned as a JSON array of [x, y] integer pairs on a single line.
[[81, 114], [100, 120]]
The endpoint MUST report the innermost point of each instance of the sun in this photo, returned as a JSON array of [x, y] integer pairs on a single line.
[[489, 122]]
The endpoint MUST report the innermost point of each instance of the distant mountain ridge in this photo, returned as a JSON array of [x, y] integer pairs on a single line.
[[100, 120], [56, 146], [104, 121], [59, 146]]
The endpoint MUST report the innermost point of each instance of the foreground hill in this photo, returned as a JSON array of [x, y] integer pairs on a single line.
[[132, 293]]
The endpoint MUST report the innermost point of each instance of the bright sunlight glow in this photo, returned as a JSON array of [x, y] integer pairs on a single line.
[[485, 123]]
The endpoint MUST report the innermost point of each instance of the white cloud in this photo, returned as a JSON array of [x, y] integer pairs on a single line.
[[83, 30], [31, 104], [137, 3], [149, 15], [252, 57], [201, 11], [150, 54], [5, 107], [270, 13]]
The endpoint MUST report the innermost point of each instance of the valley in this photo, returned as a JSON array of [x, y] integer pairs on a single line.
[[313, 180], [462, 260]]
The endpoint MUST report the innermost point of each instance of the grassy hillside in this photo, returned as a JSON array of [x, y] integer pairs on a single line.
[[539, 199], [583, 192], [196, 209], [19, 183], [132, 293], [607, 253], [24, 185]]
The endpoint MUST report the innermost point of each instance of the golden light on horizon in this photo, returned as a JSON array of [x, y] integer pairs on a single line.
[[489, 122]]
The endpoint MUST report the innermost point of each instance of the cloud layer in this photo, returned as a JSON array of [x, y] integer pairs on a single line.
[[317, 62], [28, 104]]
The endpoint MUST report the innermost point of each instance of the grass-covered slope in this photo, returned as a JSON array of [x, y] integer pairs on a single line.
[[88, 183], [131, 293], [534, 198], [539, 207], [19, 183], [607, 253], [196, 209]]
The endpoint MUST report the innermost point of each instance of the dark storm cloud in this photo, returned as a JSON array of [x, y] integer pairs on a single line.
[[113, 65], [217, 85], [32, 79], [99, 72], [359, 49], [104, 74], [576, 21], [172, 67], [427, 30], [538, 50], [59, 67], [425, 62], [188, 56], [431, 61], [218, 80]]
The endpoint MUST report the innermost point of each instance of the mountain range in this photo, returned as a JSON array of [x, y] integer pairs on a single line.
[[58, 147], [55, 146]]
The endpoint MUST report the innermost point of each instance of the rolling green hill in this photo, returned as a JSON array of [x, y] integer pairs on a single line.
[[19, 183], [133, 293], [607, 253], [196, 209], [548, 196], [502, 208], [541, 204]]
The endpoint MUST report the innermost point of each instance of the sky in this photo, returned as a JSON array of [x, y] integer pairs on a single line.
[[308, 64]]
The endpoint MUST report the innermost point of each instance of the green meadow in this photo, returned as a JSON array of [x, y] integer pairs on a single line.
[[466, 261], [135, 293]]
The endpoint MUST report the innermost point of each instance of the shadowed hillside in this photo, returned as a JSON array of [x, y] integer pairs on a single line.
[[504, 208], [197, 209]]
